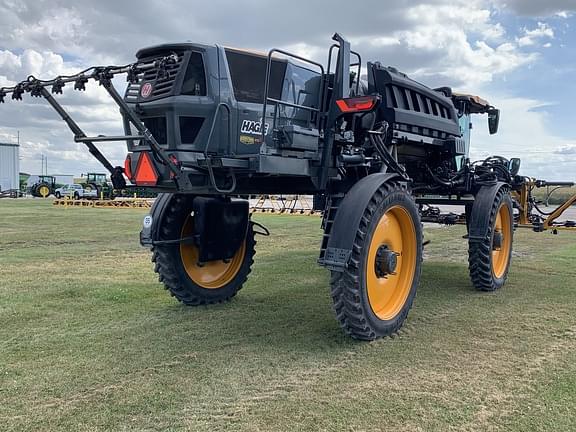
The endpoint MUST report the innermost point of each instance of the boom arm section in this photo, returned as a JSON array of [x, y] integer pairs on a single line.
[[103, 75]]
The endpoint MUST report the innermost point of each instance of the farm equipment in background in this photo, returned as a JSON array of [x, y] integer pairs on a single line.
[[531, 216], [99, 183], [44, 187], [209, 126], [284, 204], [106, 191], [10, 193]]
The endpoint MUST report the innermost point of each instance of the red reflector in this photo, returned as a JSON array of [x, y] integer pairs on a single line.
[[128, 167], [356, 104], [145, 171], [175, 161]]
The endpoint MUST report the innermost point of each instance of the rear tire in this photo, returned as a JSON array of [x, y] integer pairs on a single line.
[[489, 260], [371, 299], [43, 190], [190, 283]]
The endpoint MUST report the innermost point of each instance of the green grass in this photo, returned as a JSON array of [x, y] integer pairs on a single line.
[[90, 341]]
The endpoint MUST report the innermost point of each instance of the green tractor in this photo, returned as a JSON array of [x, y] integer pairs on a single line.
[[44, 187], [99, 183]]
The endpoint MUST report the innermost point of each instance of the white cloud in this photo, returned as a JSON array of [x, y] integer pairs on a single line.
[[442, 42], [524, 133], [531, 37], [566, 150], [537, 8], [41, 130]]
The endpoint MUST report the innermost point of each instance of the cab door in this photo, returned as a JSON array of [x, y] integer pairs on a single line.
[[248, 76]]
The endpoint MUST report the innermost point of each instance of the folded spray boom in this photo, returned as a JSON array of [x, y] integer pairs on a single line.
[[103, 75]]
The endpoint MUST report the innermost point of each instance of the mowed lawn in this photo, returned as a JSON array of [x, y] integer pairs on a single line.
[[89, 340]]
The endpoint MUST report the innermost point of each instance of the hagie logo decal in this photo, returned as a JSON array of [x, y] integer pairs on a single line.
[[253, 127], [146, 90]]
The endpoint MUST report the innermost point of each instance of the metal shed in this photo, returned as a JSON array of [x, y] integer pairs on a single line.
[[9, 166]]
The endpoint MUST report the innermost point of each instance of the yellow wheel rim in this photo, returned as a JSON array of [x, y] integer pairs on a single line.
[[44, 191], [212, 274], [387, 294], [501, 252]]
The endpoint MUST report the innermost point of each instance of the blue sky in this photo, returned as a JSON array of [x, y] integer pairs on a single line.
[[552, 78]]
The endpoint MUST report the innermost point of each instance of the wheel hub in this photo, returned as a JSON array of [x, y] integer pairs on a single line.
[[386, 261]]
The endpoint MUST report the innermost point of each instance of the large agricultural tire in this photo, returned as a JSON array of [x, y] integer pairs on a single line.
[[372, 297], [489, 259], [176, 264], [42, 190]]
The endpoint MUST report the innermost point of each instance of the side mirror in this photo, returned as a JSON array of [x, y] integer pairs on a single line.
[[514, 166], [493, 120]]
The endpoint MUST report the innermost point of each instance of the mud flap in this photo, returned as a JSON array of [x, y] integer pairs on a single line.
[[220, 227]]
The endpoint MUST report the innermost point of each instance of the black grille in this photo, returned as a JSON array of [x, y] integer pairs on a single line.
[[161, 76], [407, 99]]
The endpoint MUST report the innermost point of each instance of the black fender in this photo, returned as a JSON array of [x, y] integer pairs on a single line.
[[479, 223], [347, 220], [151, 223]]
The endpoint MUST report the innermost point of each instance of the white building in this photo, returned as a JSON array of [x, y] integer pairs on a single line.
[[9, 166]]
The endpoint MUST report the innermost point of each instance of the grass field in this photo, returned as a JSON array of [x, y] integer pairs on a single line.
[[559, 196], [89, 340]]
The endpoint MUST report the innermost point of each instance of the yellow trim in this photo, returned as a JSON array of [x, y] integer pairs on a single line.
[[212, 274], [548, 223], [387, 295], [501, 256]]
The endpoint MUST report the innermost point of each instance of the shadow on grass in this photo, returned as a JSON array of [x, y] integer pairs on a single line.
[[280, 309]]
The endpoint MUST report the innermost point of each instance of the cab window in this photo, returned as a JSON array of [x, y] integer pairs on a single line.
[[248, 74], [301, 86]]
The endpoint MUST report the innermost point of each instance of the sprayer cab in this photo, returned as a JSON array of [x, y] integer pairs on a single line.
[[204, 105], [211, 120]]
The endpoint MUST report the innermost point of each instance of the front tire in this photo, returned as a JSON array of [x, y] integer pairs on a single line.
[[374, 294], [489, 259], [178, 268]]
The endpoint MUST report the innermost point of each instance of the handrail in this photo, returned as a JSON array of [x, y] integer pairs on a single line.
[[212, 127], [293, 105], [267, 86], [209, 140], [359, 64]]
